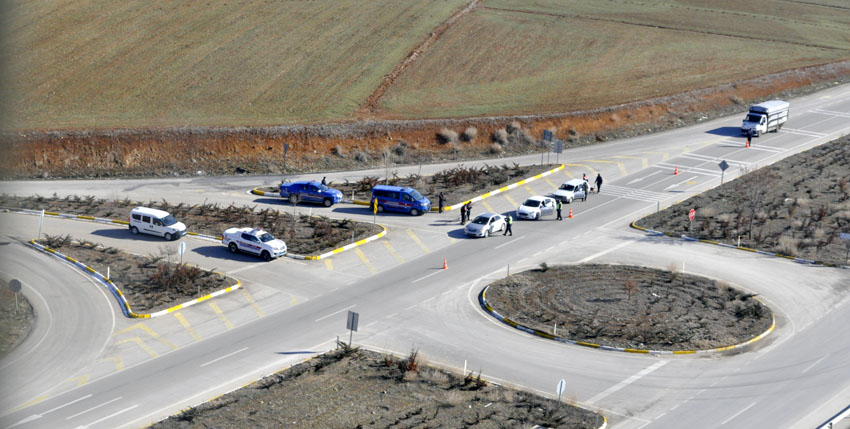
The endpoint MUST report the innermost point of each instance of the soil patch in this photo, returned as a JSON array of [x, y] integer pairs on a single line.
[[353, 388], [15, 322], [150, 283], [796, 207], [630, 307], [303, 234]]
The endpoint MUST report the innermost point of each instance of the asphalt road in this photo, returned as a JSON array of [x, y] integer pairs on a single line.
[[797, 377]]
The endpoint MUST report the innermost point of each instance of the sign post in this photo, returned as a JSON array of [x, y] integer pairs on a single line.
[[547, 139], [559, 147], [181, 249], [351, 324], [15, 287], [374, 211], [691, 215], [560, 389], [40, 223], [723, 166], [285, 149]]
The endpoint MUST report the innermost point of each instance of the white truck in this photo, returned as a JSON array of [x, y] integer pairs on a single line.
[[765, 117]]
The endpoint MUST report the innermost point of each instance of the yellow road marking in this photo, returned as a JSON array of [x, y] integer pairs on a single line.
[[568, 174], [644, 162], [81, 379], [365, 260], [510, 200], [33, 402], [550, 183], [150, 332], [530, 191], [140, 343], [691, 182], [221, 315], [417, 240], [329, 265], [187, 326], [593, 171], [488, 207], [119, 364], [250, 300], [392, 252], [620, 164], [293, 300], [664, 155]]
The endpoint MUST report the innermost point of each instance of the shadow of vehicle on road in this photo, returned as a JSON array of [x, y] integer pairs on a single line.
[[221, 252], [726, 131], [124, 233]]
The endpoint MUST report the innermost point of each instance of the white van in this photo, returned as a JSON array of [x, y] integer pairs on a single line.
[[155, 222]]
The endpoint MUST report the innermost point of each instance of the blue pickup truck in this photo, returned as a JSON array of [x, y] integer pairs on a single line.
[[310, 191]]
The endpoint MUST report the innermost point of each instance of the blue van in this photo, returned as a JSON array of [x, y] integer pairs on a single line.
[[398, 199]]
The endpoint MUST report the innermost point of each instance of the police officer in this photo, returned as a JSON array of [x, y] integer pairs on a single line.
[[442, 201], [558, 208], [509, 221]]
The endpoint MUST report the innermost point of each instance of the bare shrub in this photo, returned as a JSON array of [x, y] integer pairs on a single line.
[[500, 136], [496, 149], [630, 286], [789, 245], [453, 398], [337, 150], [673, 268], [469, 134], [447, 136], [361, 157], [514, 126]]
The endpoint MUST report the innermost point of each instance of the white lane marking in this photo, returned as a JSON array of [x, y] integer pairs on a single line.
[[335, 313], [627, 381], [411, 307], [111, 416], [247, 267], [38, 416], [225, 356], [645, 177], [512, 241], [737, 414], [425, 277], [92, 408], [680, 183], [609, 250], [391, 315], [813, 365]]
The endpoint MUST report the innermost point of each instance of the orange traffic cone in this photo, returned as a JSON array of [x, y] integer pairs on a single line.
[[676, 171], [571, 214], [748, 143], [445, 265]]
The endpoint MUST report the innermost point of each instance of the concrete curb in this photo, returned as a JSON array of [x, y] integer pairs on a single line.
[[747, 249], [122, 301], [483, 302], [484, 195]]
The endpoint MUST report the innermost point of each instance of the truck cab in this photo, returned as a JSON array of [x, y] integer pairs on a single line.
[[765, 117]]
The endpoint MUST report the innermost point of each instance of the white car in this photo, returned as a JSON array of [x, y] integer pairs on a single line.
[[485, 224], [570, 190], [255, 241], [536, 207]]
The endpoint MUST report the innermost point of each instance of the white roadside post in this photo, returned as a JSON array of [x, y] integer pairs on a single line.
[[560, 389], [40, 223]]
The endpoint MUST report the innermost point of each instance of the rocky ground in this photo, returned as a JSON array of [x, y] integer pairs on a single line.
[[796, 207], [15, 320], [303, 235], [149, 283], [630, 307], [353, 388]]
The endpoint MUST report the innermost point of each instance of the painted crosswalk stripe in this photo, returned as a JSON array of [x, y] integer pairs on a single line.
[[365, 260], [187, 326], [221, 315], [392, 251], [418, 241], [634, 193]]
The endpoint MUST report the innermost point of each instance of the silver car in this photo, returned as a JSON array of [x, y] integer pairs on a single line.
[[485, 224], [536, 207]]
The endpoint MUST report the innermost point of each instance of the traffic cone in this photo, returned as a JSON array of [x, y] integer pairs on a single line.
[[676, 171], [748, 143], [445, 265], [571, 214]]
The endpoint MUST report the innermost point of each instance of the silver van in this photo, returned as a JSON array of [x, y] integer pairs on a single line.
[[155, 222]]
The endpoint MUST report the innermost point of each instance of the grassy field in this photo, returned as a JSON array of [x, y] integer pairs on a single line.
[[97, 63], [94, 63], [554, 56]]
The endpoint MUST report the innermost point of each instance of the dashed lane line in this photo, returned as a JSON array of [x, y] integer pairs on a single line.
[[221, 315], [664, 155], [392, 251], [593, 171], [252, 303], [627, 381], [365, 260], [187, 326], [80, 379], [418, 241]]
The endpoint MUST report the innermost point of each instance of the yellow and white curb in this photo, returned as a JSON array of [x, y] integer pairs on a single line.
[[343, 248], [483, 302], [122, 301]]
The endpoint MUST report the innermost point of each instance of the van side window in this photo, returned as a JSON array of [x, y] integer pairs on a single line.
[[407, 198], [146, 219], [394, 195], [137, 217], [157, 222]]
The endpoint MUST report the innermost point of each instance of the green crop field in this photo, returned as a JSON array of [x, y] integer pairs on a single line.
[[99, 63], [549, 56]]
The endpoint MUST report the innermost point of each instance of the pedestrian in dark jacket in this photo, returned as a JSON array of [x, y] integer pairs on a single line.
[[442, 201], [558, 209], [324, 181], [469, 210], [598, 183], [508, 222], [463, 214]]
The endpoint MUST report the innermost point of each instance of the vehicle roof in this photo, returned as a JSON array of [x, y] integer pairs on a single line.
[[488, 214], [389, 188], [303, 182], [248, 229], [539, 198], [771, 105], [150, 211], [575, 182]]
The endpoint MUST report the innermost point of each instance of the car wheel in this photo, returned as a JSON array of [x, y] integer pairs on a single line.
[[134, 230], [293, 198], [167, 236], [486, 233], [414, 212], [233, 248], [327, 202], [502, 228], [266, 255], [380, 208]]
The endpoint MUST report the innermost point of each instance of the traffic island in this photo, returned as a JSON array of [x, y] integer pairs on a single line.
[[363, 388], [145, 286], [16, 318], [628, 308]]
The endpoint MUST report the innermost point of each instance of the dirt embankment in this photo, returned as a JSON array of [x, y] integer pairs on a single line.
[[324, 147]]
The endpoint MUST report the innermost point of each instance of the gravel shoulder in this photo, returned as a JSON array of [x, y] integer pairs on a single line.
[[16, 321], [630, 307]]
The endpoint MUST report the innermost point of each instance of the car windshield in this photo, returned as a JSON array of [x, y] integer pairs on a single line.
[[169, 220], [753, 118], [531, 203], [266, 237], [481, 220], [416, 195], [567, 187], [323, 188]]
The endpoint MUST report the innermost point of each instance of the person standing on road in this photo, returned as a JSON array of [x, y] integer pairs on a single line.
[[598, 183], [508, 221], [558, 209], [442, 201], [463, 214], [324, 181], [469, 210]]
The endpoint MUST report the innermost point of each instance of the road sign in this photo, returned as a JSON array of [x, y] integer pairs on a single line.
[[559, 146], [547, 135], [692, 214], [181, 249], [15, 285], [723, 165], [560, 389], [351, 323]]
